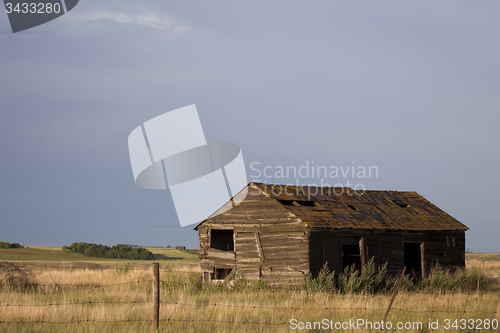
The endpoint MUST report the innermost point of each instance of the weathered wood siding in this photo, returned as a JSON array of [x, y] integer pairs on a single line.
[[444, 247], [269, 241]]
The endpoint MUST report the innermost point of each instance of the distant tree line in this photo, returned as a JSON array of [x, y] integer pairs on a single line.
[[150, 246], [7, 245], [119, 251]]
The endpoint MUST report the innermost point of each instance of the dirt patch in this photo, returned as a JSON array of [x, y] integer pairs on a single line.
[[16, 278]]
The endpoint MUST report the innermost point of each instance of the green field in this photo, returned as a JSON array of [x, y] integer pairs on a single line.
[[38, 253], [171, 254]]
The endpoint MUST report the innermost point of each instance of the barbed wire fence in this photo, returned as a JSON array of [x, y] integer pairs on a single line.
[[156, 303]]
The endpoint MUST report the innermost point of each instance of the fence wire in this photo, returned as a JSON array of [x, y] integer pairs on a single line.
[[181, 304]]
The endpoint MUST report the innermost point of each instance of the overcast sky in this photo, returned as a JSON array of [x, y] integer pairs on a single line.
[[411, 87]]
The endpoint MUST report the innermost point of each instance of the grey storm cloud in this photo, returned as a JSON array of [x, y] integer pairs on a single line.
[[411, 87]]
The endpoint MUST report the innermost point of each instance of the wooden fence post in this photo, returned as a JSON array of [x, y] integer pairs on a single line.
[[395, 292], [156, 296]]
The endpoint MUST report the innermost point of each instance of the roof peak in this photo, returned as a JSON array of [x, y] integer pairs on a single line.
[[346, 188]]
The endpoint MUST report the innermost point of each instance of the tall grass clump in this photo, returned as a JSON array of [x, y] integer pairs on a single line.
[[325, 281], [194, 283], [123, 268], [369, 281], [441, 280]]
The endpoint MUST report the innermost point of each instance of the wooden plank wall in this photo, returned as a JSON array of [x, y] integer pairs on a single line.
[[269, 241], [439, 247], [325, 246], [444, 247], [390, 249]]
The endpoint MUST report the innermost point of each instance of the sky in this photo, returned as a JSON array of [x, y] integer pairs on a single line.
[[411, 88]]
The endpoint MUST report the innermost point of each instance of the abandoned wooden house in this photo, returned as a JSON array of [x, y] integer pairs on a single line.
[[283, 233]]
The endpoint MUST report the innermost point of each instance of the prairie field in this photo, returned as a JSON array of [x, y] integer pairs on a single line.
[[116, 296]]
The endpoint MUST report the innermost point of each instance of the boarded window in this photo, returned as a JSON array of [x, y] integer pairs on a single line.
[[222, 240]]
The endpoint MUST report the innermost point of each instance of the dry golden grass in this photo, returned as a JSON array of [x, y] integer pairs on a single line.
[[117, 299], [492, 267]]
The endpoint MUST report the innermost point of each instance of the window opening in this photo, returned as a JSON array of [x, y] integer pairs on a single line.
[[305, 203], [220, 273], [286, 202], [400, 203], [222, 240], [352, 207]]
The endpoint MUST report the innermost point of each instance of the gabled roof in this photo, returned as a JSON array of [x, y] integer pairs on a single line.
[[341, 207], [344, 208]]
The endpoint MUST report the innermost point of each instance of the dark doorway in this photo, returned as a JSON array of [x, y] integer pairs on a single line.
[[413, 259], [351, 256], [222, 240]]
